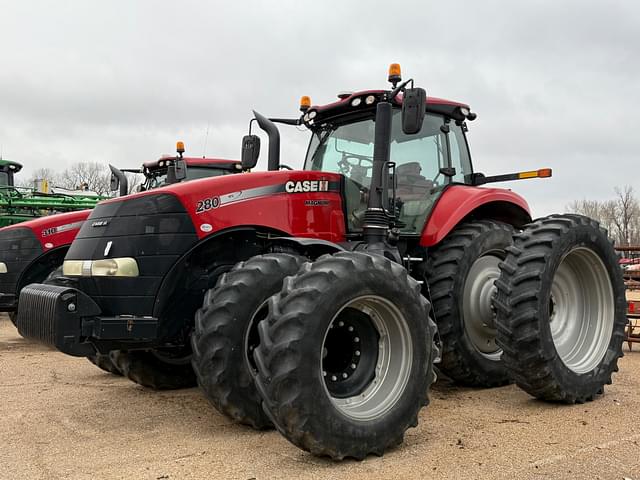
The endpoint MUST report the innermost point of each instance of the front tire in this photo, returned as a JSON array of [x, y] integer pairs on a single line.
[[460, 273], [226, 335], [154, 369], [346, 355], [561, 309], [104, 362]]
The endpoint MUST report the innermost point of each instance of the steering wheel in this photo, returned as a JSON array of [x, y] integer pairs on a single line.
[[351, 160]]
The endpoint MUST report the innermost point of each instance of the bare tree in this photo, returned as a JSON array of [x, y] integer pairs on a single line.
[[90, 175], [620, 216], [627, 210], [39, 174]]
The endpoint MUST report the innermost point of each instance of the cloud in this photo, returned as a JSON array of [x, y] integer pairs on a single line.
[[120, 82]]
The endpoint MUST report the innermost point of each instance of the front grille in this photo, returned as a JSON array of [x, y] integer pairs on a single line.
[[37, 312]]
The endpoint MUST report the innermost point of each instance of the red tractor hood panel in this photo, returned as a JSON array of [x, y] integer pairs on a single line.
[[298, 203], [458, 201], [55, 231]]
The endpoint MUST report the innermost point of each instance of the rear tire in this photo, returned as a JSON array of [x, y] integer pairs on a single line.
[[561, 309], [226, 335], [346, 355], [154, 369], [460, 273]]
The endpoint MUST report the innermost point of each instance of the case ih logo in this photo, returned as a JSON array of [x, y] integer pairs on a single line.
[[307, 186], [100, 223]]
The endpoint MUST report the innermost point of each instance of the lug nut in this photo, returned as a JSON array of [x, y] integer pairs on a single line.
[[344, 375], [71, 307]]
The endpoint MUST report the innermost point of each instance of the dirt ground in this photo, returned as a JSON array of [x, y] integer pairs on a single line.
[[61, 417]]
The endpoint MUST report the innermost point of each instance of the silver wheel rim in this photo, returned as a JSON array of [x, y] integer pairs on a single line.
[[581, 310], [478, 313], [393, 365]]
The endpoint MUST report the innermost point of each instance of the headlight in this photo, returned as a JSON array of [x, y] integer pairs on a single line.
[[108, 267], [3, 267]]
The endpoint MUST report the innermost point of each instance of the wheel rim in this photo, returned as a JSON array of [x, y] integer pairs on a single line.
[[477, 308], [378, 363], [581, 310]]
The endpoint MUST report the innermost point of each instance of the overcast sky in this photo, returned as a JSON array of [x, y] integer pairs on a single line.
[[554, 83]]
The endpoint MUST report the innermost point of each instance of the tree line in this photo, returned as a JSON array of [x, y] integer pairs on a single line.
[[92, 176], [619, 215]]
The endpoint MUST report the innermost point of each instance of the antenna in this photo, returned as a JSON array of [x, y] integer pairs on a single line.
[[206, 138]]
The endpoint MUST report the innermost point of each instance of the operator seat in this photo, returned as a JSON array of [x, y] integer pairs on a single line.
[[414, 191]]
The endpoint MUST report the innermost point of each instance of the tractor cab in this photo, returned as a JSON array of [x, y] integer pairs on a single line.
[[421, 165], [7, 171], [170, 169], [161, 172]]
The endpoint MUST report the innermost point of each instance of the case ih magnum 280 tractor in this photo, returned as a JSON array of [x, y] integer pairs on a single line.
[[307, 299]]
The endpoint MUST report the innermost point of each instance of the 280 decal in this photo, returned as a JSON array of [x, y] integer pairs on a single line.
[[207, 204]]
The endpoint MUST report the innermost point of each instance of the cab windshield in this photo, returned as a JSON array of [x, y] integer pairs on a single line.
[[348, 149], [4, 179]]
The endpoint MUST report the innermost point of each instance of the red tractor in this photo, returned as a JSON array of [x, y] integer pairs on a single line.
[[309, 299]]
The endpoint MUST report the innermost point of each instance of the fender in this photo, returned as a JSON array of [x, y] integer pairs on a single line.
[[460, 202], [310, 247], [41, 266], [182, 288]]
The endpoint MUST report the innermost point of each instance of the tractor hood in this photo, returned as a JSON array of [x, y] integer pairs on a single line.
[[53, 230], [272, 199]]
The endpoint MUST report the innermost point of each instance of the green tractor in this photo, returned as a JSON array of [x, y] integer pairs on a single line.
[[19, 204]]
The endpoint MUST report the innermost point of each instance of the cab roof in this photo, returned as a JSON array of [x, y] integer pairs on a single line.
[[344, 105], [194, 162], [8, 163]]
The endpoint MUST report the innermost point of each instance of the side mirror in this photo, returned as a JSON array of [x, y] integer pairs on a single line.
[[250, 151], [114, 183], [119, 181], [414, 106], [180, 169]]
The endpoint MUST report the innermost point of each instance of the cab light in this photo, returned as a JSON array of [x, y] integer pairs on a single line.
[[394, 73], [3, 267], [305, 103], [542, 173], [370, 99], [356, 101], [108, 267]]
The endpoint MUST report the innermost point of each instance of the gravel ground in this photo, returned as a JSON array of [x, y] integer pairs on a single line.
[[64, 418]]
